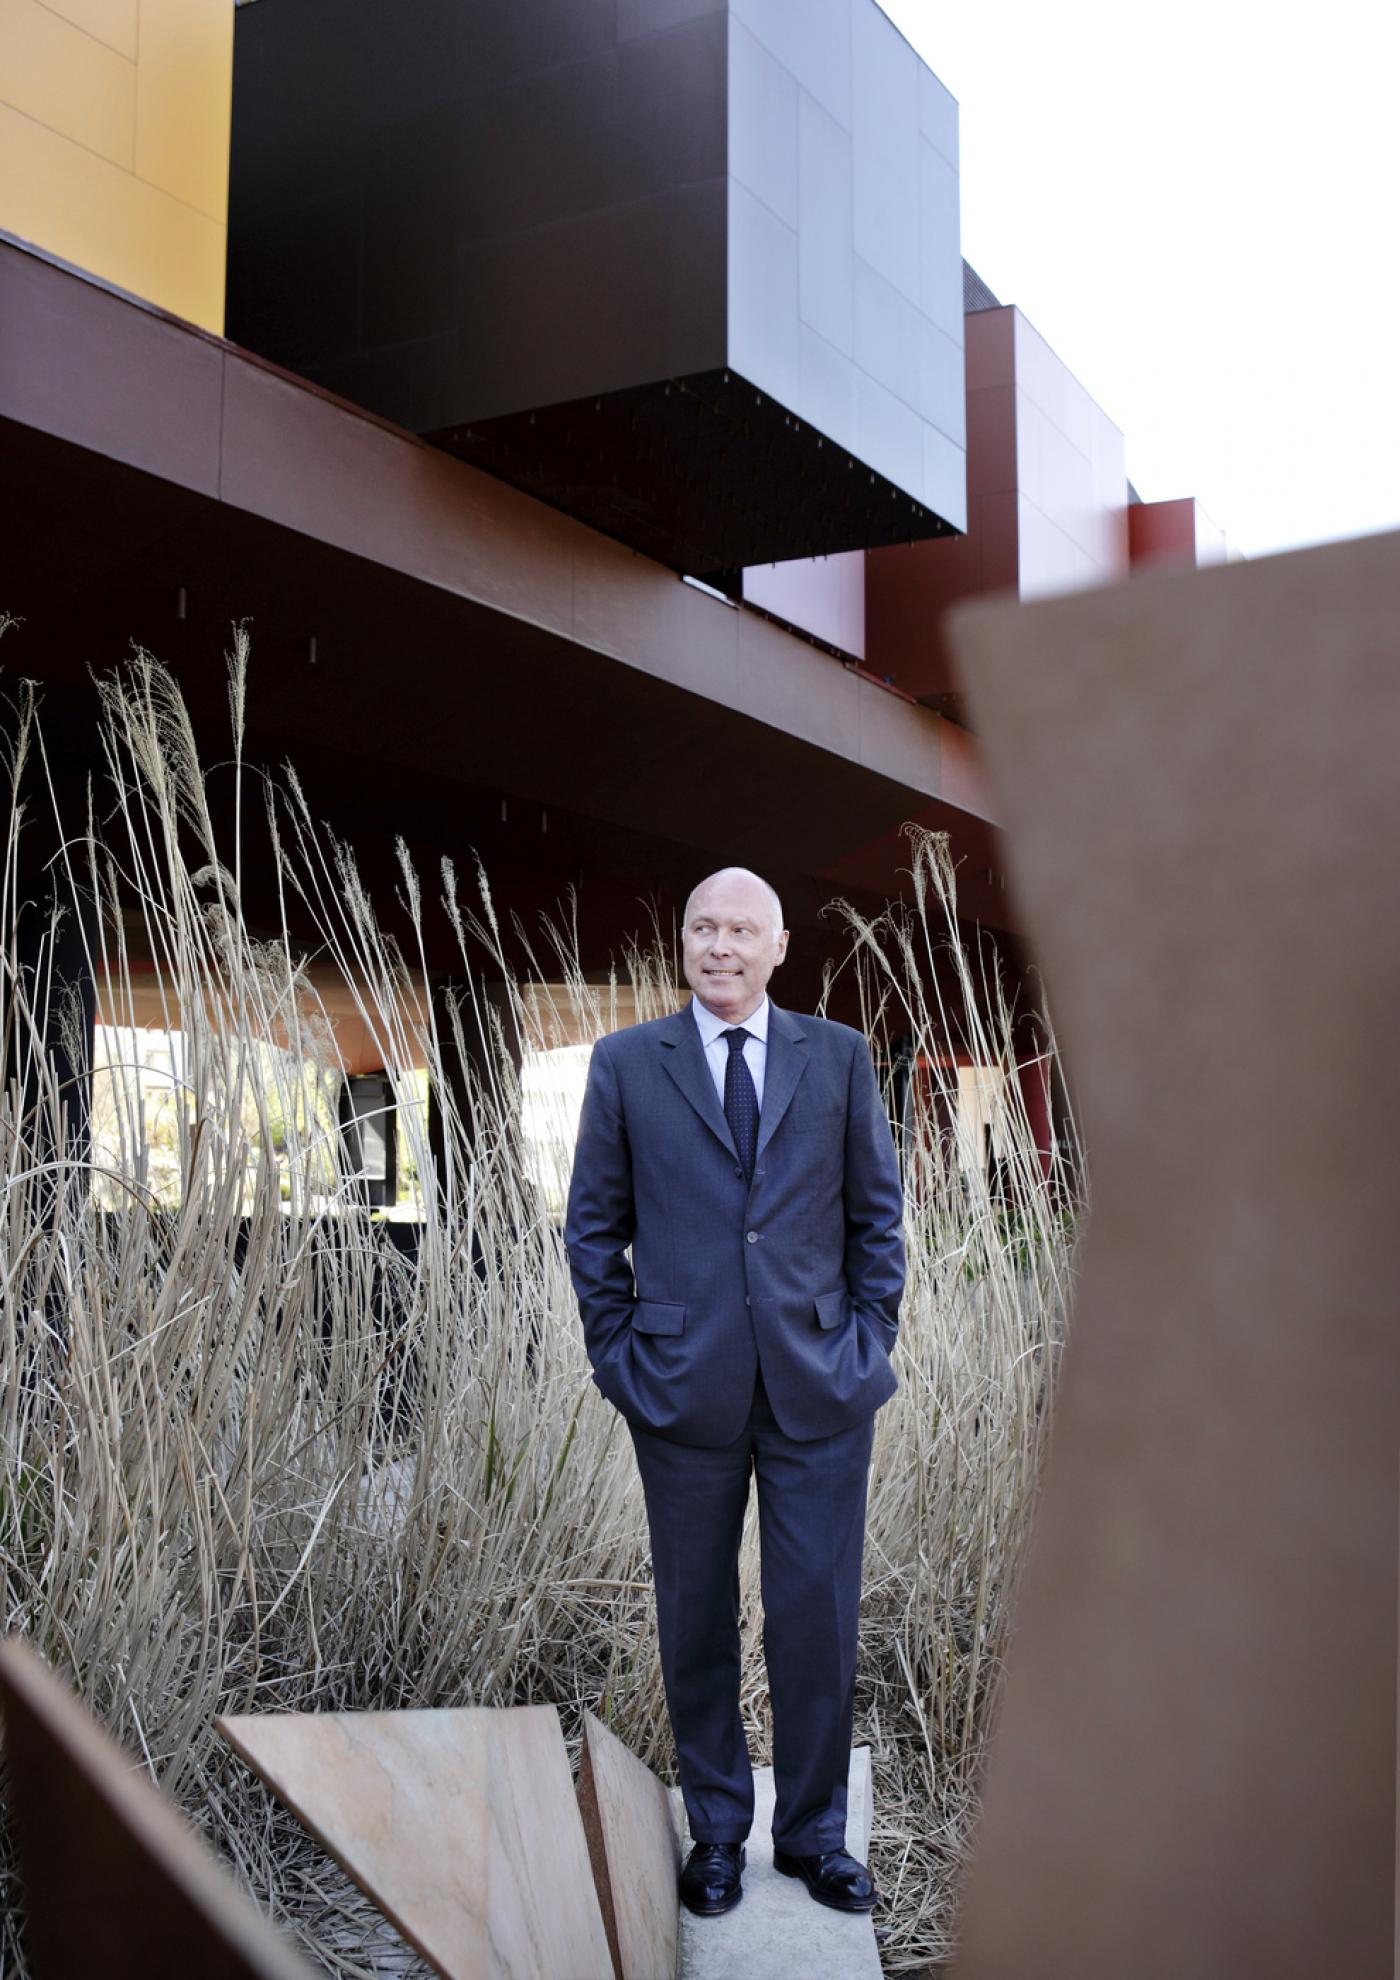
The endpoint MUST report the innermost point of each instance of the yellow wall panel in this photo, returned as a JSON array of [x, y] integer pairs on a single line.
[[91, 212], [112, 21], [184, 97], [62, 77]]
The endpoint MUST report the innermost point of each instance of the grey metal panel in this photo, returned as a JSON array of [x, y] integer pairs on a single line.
[[885, 125], [938, 115], [940, 261], [762, 297], [763, 141], [898, 345], [880, 349], [889, 434], [880, 272], [826, 383], [936, 368], [945, 477], [826, 275], [813, 40], [879, 268]]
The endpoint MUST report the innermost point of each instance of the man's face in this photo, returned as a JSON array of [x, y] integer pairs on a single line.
[[730, 945]]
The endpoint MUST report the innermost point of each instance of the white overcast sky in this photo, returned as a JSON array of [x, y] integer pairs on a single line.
[[1198, 206]]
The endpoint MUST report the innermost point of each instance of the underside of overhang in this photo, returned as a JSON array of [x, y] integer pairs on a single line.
[[411, 710]]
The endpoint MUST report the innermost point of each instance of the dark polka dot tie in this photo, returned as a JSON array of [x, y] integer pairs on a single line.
[[741, 1100]]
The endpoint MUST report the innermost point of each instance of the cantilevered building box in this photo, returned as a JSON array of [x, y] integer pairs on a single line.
[[687, 270]]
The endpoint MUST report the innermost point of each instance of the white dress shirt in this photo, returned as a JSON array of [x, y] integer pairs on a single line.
[[712, 1030]]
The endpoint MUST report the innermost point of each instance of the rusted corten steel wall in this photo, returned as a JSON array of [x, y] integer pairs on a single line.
[[439, 654], [1047, 505]]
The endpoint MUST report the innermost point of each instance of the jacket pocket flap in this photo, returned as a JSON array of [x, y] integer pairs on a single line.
[[831, 1308], [651, 1317]]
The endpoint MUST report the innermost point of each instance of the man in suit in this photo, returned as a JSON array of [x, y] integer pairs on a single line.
[[735, 1237]]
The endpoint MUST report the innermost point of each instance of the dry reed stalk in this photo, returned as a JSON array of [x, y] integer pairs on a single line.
[[255, 1456]]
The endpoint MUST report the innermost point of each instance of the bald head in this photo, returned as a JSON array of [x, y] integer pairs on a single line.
[[730, 876], [732, 941]]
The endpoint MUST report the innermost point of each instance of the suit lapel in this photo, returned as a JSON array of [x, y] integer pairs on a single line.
[[683, 1056], [786, 1063]]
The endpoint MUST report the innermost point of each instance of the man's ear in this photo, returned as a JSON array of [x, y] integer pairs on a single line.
[[781, 956]]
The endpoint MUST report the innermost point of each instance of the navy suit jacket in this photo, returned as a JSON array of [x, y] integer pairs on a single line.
[[801, 1269]]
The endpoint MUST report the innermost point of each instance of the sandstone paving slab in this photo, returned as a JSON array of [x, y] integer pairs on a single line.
[[461, 1825], [633, 1845]]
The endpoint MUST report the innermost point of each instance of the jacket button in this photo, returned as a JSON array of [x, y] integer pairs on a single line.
[[753, 1237], [737, 1170]]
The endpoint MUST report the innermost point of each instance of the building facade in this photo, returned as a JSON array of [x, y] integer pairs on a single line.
[[593, 426]]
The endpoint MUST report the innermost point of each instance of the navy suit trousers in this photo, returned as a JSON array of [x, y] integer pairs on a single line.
[[811, 1508]]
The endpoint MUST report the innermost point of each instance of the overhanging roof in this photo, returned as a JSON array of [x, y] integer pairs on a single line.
[[465, 633]]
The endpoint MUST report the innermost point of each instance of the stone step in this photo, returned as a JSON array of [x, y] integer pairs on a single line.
[[778, 1932], [632, 1844]]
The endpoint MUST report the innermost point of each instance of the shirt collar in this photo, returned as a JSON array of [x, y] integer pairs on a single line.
[[712, 1027]]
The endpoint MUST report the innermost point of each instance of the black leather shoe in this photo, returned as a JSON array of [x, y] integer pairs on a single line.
[[710, 1880], [832, 1878]]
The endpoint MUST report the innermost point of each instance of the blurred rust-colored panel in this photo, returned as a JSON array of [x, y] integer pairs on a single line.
[[908, 588], [114, 1882], [1194, 1769]]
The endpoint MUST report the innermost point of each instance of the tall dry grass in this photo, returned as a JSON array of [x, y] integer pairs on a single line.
[[255, 1456]]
